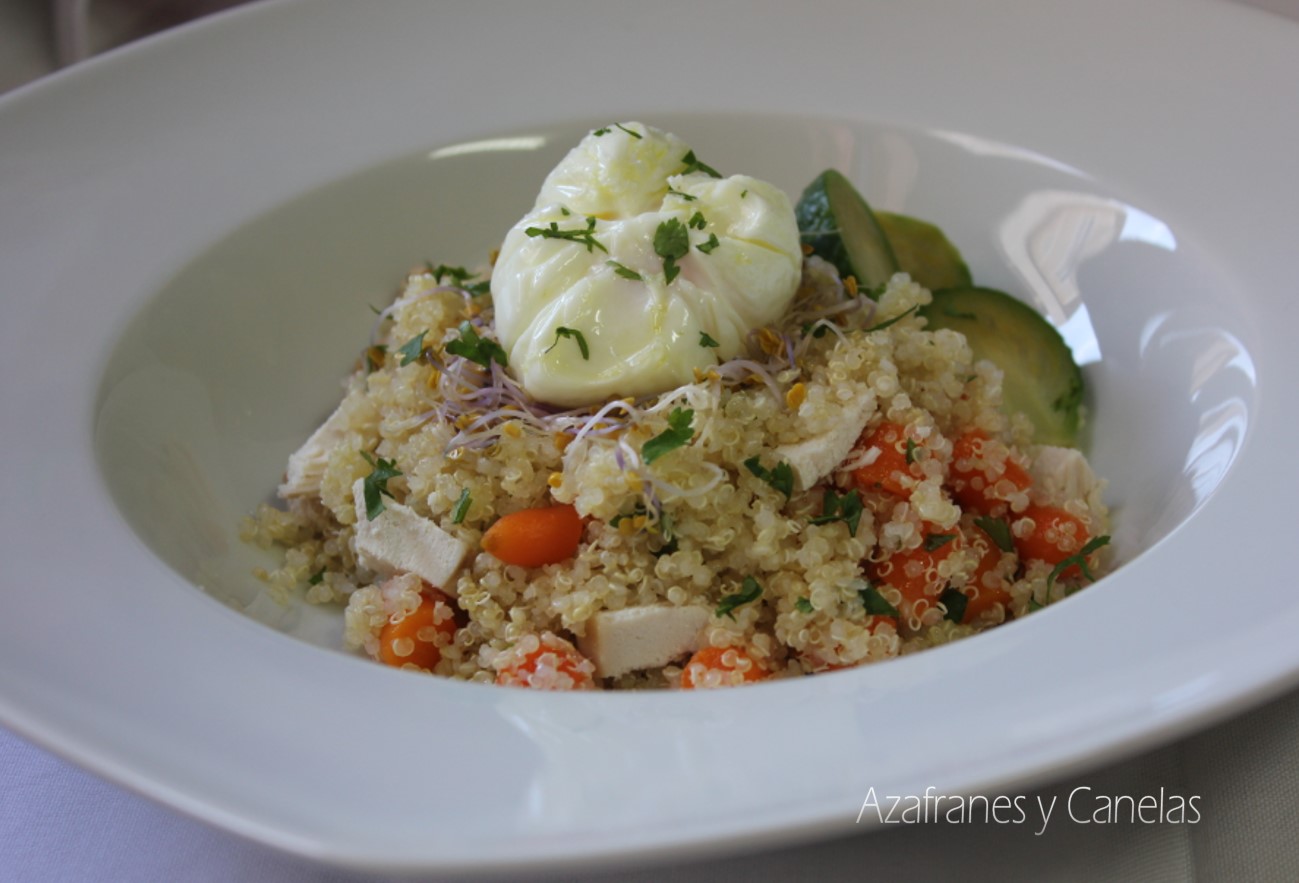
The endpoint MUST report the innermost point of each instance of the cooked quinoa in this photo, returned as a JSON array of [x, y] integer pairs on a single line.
[[791, 588]]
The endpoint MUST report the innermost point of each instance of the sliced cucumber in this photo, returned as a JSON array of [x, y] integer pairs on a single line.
[[1041, 378], [924, 252], [840, 227]]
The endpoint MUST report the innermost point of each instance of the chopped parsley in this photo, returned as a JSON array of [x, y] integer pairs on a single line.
[[998, 531], [1080, 560], [316, 578], [671, 242], [710, 245], [375, 486], [875, 603], [625, 272], [678, 434], [573, 334], [461, 508], [696, 222], [584, 235], [475, 348], [804, 605], [694, 165], [887, 322], [749, 591], [781, 477], [911, 451], [605, 130], [936, 541], [456, 274], [412, 349], [688, 197], [706, 340], [955, 601], [846, 508]]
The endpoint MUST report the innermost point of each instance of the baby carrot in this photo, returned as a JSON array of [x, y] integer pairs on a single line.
[[1056, 535], [533, 537], [418, 637], [545, 662], [891, 470], [982, 476], [720, 667]]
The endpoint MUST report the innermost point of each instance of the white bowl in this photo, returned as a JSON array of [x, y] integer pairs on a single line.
[[191, 233]]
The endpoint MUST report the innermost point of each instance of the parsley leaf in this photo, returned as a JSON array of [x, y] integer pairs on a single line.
[[803, 605], [456, 274], [887, 322], [605, 130], [586, 236], [781, 477], [709, 246], [749, 591], [412, 349], [998, 531], [316, 578], [671, 242], [694, 165], [573, 334], [461, 508], [688, 197], [936, 541], [375, 486], [955, 601], [697, 221], [875, 603], [706, 340], [625, 272], [475, 348], [678, 434], [847, 509], [1080, 559], [911, 451]]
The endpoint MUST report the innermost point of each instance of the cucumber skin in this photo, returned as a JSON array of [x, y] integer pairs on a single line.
[[820, 231], [1041, 378]]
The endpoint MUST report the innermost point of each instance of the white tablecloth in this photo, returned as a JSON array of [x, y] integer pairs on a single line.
[[60, 823]]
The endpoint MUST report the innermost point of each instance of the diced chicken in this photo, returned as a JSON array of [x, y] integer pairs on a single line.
[[1061, 474], [620, 641], [814, 458], [398, 540], [307, 464]]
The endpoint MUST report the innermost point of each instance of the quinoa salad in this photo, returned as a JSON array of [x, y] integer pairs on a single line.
[[673, 436]]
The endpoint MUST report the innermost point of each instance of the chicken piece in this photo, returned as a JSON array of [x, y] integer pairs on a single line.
[[814, 458], [307, 464], [398, 540], [1060, 475], [619, 641]]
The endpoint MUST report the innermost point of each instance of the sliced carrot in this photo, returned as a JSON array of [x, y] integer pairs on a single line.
[[982, 477], [983, 591], [1056, 535], [533, 537], [545, 662], [418, 637], [915, 573], [721, 667], [889, 472]]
